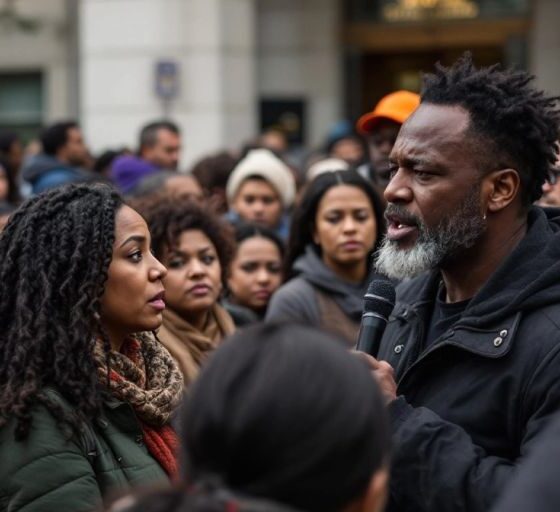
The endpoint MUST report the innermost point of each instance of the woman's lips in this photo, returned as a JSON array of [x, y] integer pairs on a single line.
[[199, 290], [158, 302], [352, 245], [262, 294]]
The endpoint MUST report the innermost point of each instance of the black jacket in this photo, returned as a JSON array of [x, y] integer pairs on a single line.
[[536, 485], [473, 402]]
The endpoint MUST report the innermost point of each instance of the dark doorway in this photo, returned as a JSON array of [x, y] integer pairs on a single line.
[[382, 73]]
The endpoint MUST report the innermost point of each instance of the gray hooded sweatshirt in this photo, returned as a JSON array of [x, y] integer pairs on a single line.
[[296, 300]]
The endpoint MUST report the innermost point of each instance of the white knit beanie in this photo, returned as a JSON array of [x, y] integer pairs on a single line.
[[266, 165]]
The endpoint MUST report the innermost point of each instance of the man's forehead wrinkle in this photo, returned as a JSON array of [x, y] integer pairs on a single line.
[[413, 148], [430, 141]]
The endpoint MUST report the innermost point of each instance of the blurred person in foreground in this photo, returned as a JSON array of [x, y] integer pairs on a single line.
[[381, 127], [62, 159], [282, 419], [261, 189], [196, 247], [473, 341], [255, 273], [86, 391], [159, 149], [334, 232]]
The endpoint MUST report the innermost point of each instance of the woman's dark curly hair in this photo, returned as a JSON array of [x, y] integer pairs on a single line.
[[513, 124], [167, 219], [55, 253], [303, 219]]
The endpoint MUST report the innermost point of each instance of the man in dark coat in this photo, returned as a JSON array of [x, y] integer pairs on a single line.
[[470, 359]]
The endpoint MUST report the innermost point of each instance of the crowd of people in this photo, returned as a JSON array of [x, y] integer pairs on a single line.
[[181, 339]]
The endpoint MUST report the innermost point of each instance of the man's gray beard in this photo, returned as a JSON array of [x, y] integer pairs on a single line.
[[434, 247]]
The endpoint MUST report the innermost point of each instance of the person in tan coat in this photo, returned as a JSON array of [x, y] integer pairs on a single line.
[[196, 247]]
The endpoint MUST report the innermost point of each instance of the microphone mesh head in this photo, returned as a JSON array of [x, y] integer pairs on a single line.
[[380, 297]]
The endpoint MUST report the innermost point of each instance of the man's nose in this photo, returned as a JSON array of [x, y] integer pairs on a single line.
[[398, 189]]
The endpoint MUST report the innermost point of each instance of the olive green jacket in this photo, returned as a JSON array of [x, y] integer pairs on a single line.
[[54, 470]]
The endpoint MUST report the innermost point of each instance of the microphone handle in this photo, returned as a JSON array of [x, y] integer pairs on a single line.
[[371, 332]]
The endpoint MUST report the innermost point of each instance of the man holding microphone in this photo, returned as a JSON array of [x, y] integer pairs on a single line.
[[470, 359]]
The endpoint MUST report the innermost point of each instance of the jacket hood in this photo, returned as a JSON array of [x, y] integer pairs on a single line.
[[528, 279], [40, 164], [349, 296]]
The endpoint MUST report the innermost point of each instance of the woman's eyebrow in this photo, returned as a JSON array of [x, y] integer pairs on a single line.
[[134, 238]]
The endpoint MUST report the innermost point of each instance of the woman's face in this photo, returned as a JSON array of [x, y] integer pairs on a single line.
[[257, 201], [256, 272], [134, 295], [4, 185], [194, 278], [345, 226]]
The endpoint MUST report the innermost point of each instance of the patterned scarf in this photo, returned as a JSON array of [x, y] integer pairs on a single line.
[[144, 374]]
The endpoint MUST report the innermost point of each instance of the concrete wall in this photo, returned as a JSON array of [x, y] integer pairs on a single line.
[[299, 56], [211, 40], [45, 50]]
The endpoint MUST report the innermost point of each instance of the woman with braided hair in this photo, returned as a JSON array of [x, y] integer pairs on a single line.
[[86, 394]]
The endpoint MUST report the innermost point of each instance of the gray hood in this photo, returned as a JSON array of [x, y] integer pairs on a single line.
[[349, 296]]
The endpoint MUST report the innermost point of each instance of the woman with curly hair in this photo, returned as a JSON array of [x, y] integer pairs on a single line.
[[196, 247], [86, 394]]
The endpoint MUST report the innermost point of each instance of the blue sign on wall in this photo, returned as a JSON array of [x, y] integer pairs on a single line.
[[167, 79]]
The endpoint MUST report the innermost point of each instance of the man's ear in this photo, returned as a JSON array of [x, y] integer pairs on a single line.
[[500, 188]]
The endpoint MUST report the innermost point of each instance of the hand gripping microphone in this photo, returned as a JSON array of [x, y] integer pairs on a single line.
[[379, 302]]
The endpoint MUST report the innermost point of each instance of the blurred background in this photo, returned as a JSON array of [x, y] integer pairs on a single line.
[[225, 70]]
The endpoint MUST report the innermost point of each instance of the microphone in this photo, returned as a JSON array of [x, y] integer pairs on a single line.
[[379, 302]]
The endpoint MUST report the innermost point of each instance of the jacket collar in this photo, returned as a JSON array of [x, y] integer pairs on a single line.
[[493, 340]]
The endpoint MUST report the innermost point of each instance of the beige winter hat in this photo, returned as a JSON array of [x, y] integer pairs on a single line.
[[266, 165]]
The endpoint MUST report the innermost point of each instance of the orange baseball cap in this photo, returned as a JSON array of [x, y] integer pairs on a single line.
[[396, 106]]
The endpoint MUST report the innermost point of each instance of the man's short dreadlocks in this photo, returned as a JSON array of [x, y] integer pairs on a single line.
[[514, 124]]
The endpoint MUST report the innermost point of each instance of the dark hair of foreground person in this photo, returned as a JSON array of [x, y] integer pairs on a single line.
[[281, 418]]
